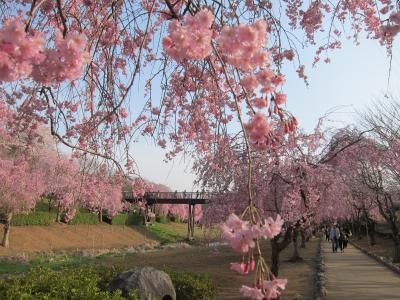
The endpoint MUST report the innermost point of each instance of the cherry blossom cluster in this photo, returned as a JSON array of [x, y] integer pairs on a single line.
[[19, 51], [241, 234], [190, 39], [243, 45], [23, 55], [258, 130], [268, 289], [392, 29], [242, 237], [65, 62]]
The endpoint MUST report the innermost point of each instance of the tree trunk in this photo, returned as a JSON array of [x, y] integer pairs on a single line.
[[58, 216], [396, 251], [367, 233], [278, 245], [359, 231], [7, 225], [101, 216], [296, 255], [372, 240], [303, 239], [274, 257]]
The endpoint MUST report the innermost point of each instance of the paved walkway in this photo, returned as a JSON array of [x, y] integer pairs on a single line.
[[354, 275]]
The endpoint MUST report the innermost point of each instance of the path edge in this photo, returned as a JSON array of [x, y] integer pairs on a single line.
[[382, 260], [320, 280]]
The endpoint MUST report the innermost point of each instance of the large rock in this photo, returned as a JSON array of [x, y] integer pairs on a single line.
[[151, 284]]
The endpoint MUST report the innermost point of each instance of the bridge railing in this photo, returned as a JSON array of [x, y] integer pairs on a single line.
[[170, 195]]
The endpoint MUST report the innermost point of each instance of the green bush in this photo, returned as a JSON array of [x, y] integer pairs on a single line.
[[127, 219], [174, 218], [75, 283], [33, 218], [192, 286], [84, 218], [161, 219], [43, 205]]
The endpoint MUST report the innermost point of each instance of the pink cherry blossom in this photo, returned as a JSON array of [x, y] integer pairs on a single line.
[[252, 293], [18, 50], [273, 287], [275, 226], [192, 39], [64, 62], [280, 98], [241, 268], [243, 45], [258, 130]]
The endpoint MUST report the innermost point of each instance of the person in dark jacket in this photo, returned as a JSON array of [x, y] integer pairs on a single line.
[[341, 239], [327, 234]]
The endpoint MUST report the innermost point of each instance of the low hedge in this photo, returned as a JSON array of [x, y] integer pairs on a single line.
[[192, 286], [74, 283], [127, 219], [91, 282], [162, 219], [85, 218], [33, 218], [174, 218]]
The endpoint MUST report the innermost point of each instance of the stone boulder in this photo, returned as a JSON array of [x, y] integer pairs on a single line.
[[150, 283]]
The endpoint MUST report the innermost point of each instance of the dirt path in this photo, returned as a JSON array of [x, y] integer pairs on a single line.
[[354, 275]]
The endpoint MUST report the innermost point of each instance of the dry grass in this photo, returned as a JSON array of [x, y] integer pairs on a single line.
[[28, 239], [215, 261]]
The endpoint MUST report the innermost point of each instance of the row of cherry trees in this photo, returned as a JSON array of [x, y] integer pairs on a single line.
[[370, 168]]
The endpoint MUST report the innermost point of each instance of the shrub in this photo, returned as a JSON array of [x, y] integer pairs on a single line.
[[174, 218], [74, 283], [84, 218], [161, 219], [127, 219], [192, 286], [33, 218], [43, 205]]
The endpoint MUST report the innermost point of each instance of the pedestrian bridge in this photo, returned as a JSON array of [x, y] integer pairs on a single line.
[[191, 198]]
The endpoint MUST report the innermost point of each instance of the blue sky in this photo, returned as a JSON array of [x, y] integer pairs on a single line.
[[355, 77]]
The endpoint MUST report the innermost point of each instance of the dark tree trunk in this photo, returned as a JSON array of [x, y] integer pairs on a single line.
[[7, 225], [58, 215], [372, 240], [303, 239], [367, 232], [296, 255], [275, 257], [101, 216], [359, 231], [396, 251], [278, 245]]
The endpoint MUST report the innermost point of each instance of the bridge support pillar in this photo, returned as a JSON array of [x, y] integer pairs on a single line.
[[191, 222]]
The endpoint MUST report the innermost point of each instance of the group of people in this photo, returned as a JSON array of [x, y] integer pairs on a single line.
[[337, 236]]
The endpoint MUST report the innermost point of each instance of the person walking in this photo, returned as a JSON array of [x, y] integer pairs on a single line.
[[345, 240], [341, 239], [326, 234], [333, 236]]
